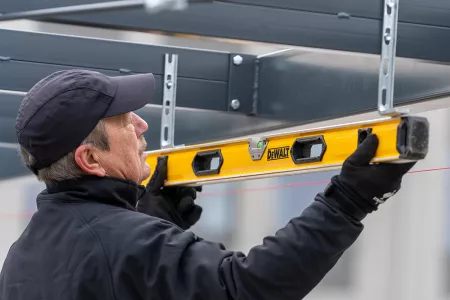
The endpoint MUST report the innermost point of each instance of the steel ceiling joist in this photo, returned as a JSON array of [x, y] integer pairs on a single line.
[[295, 86], [292, 86], [349, 25], [206, 79]]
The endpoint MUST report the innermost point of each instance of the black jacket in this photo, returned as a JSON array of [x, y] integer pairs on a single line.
[[87, 241]]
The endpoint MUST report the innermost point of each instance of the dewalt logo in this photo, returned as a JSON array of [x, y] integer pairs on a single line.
[[278, 153]]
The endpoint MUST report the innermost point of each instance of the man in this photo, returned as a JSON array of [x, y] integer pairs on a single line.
[[99, 234]]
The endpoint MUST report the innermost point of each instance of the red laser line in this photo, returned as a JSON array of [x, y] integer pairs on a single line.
[[231, 192]]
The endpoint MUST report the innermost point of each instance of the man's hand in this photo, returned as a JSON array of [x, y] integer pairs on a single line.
[[174, 204], [367, 185]]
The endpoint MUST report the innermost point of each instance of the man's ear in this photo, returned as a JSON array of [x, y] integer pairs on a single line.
[[87, 159]]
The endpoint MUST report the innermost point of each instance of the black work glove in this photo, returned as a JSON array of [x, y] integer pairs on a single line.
[[174, 204], [367, 185]]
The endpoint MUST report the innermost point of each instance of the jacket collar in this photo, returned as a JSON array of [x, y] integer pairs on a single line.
[[109, 190]]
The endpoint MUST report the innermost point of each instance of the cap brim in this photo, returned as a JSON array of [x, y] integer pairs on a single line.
[[133, 93]]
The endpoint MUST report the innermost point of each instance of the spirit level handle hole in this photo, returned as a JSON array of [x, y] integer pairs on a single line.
[[207, 163], [306, 150], [362, 134]]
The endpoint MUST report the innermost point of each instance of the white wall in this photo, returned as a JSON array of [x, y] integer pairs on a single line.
[[16, 208]]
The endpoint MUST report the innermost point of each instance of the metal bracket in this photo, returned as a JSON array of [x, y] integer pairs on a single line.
[[169, 101], [256, 147], [387, 61]]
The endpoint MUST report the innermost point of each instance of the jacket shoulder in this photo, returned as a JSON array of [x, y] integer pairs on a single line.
[[58, 242]]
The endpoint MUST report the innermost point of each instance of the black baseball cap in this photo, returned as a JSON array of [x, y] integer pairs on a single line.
[[62, 109]]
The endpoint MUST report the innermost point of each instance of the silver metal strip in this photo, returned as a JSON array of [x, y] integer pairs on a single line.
[[9, 145], [169, 101], [276, 53], [156, 6], [387, 60], [10, 92]]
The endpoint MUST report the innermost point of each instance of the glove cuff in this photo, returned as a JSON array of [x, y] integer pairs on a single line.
[[347, 201]]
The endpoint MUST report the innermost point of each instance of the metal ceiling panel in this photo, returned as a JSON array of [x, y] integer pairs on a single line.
[[281, 26], [426, 12], [192, 93], [307, 86], [111, 55], [295, 86], [349, 25], [206, 79]]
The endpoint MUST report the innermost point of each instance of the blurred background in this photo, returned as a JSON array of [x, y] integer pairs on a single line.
[[403, 253]]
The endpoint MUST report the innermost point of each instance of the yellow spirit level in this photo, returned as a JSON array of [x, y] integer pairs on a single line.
[[401, 139]]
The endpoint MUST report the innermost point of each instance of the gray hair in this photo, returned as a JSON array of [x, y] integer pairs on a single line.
[[66, 167]]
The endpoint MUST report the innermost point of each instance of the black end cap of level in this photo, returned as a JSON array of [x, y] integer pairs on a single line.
[[413, 137]]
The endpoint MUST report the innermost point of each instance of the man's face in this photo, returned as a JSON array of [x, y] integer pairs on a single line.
[[125, 159]]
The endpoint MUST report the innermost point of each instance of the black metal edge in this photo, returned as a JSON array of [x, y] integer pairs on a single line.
[[83, 52], [241, 83], [291, 27]]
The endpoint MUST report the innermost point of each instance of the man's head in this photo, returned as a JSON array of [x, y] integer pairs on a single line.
[[78, 122]]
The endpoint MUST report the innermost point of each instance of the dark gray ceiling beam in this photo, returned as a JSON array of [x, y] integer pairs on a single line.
[[293, 87], [308, 86], [206, 79], [349, 25], [433, 12], [411, 11]]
